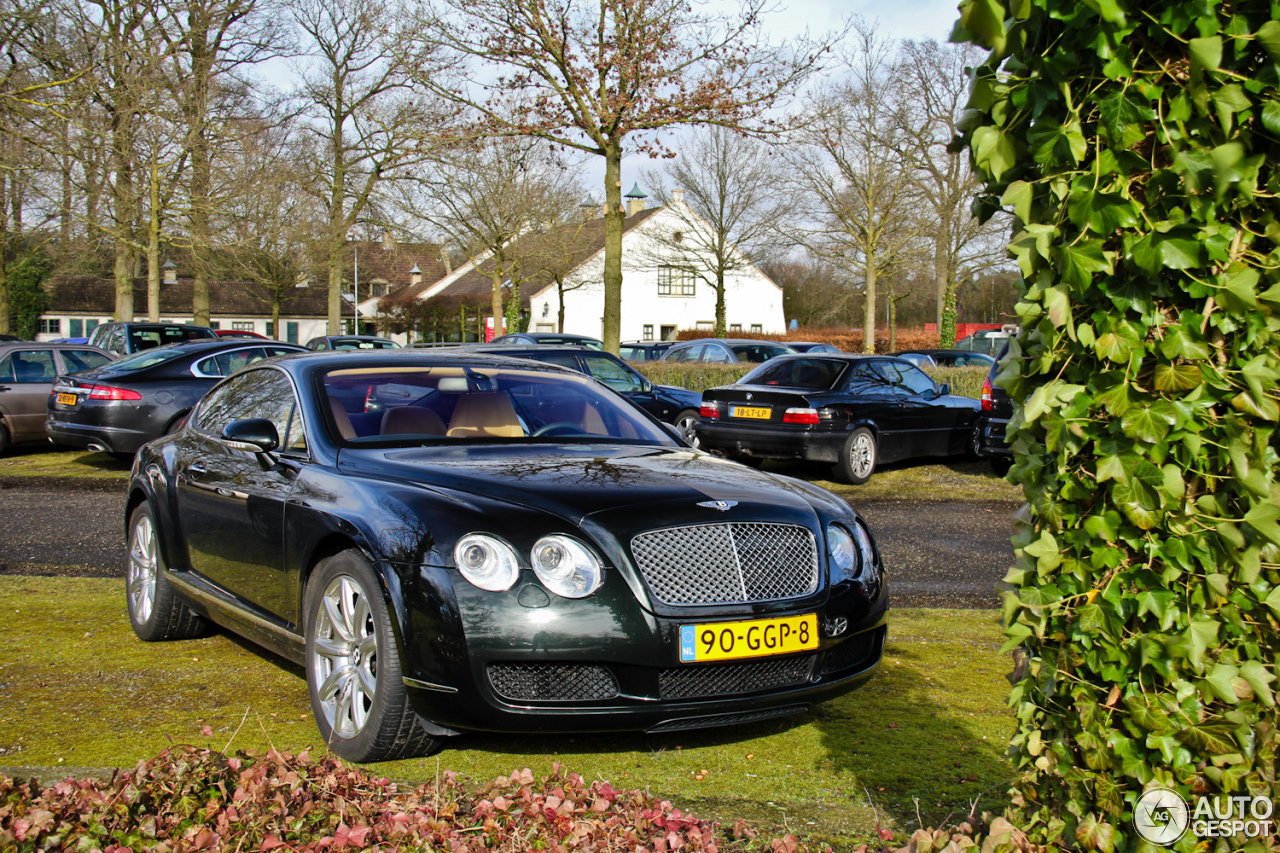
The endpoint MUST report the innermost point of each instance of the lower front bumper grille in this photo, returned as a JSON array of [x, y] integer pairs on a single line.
[[854, 652], [546, 682], [732, 679], [685, 723]]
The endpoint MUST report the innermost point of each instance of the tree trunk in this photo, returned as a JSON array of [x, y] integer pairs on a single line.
[[495, 299], [722, 329], [892, 318], [123, 272], [201, 69], [335, 286], [942, 272], [869, 311], [153, 246], [275, 316], [4, 267], [613, 225], [560, 313], [123, 213]]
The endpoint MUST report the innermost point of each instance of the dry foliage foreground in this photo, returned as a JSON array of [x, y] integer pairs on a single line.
[[189, 798]]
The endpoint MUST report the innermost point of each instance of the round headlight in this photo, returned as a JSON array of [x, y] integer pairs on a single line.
[[486, 562], [566, 566], [840, 546]]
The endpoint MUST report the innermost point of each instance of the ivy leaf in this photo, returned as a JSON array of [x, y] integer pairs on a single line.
[[1148, 423], [1214, 740], [985, 19], [1039, 596], [1206, 55], [1178, 343], [1094, 834], [1181, 253], [1019, 195], [993, 151], [1123, 116], [1268, 35], [1259, 678], [1219, 680], [1271, 113], [1132, 500], [1177, 377], [1016, 633], [1102, 212], [1273, 601], [1054, 144], [1200, 635], [1243, 286], [1058, 306], [1077, 263], [1262, 518]]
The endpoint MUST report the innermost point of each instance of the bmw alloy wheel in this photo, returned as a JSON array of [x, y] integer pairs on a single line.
[[687, 423], [345, 657], [862, 454]]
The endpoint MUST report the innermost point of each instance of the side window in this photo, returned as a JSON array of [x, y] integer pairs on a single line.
[[30, 366], [262, 393], [916, 381], [712, 354], [77, 360], [115, 340], [560, 359], [615, 375]]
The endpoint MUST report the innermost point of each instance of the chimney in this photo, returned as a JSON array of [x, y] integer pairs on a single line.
[[170, 272], [677, 196], [415, 275], [635, 200], [444, 258], [388, 241]]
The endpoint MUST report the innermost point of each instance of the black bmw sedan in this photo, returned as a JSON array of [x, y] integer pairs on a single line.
[[120, 406], [852, 410], [499, 545]]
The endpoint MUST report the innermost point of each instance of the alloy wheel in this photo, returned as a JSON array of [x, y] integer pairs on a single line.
[[142, 568], [862, 455], [345, 657], [688, 426]]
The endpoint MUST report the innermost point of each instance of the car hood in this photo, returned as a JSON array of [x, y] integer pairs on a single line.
[[609, 482]]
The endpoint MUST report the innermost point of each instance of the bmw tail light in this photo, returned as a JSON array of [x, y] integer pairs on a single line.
[[709, 412], [986, 394], [107, 392], [800, 416]]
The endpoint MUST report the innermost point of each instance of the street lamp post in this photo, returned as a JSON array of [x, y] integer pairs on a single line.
[[355, 286]]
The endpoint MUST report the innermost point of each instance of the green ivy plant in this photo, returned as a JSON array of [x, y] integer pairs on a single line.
[[1137, 145]]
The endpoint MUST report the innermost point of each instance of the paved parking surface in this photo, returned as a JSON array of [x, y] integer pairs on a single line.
[[937, 553]]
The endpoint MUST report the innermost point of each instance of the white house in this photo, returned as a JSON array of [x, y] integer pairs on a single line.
[[660, 292]]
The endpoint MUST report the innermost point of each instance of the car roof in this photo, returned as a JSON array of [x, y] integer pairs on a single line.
[[503, 349], [8, 345], [315, 361], [731, 341], [202, 345]]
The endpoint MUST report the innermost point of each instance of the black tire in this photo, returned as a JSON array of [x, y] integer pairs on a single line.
[[858, 457], [356, 725], [173, 425], [1001, 464], [4, 438], [156, 611], [687, 422], [974, 449]]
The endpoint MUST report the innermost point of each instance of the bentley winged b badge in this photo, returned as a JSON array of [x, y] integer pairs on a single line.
[[723, 506]]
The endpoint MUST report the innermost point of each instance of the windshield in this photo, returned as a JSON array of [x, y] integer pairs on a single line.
[[149, 337], [815, 373], [377, 405], [358, 344]]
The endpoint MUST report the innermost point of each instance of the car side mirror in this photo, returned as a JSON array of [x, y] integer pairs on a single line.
[[256, 435], [945, 389], [646, 387]]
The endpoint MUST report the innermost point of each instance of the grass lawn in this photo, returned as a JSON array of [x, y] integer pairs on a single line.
[[78, 690], [45, 460]]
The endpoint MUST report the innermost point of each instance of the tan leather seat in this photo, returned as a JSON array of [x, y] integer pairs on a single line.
[[345, 429], [483, 414], [411, 420]]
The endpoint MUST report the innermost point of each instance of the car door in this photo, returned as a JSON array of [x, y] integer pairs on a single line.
[[926, 415], [231, 502], [25, 378], [627, 382], [872, 400]]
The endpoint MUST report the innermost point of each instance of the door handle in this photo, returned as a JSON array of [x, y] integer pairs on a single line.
[[4, 387]]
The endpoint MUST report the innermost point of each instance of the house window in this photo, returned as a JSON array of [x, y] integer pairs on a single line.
[[756, 328], [668, 333], [76, 328], [270, 329], [648, 331], [50, 327], [378, 288], [89, 326], [735, 327], [706, 325], [242, 325], [291, 331], [673, 281], [215, 325]]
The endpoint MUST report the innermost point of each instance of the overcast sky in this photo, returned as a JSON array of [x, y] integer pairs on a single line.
[[899, 19]]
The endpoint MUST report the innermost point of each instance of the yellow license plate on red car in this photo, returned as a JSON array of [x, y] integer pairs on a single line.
[[66, 399], [752, 638], [756, 412]]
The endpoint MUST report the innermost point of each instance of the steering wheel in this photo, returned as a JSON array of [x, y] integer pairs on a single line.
[[559, 428]]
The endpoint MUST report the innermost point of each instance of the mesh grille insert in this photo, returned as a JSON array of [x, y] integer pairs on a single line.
[[685, 723], [552, 682], [729, 679], [853, 652], [728, 563]]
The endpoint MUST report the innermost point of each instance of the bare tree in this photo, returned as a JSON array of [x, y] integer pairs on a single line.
[[598, 76], [934, 89], [848, 164], [217, 38], [725, 200], [483, 196], [365, 122]]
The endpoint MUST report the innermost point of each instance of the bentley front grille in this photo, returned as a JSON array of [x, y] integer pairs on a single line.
[[731, 563]]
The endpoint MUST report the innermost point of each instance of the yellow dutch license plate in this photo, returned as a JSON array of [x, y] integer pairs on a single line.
[[752, 638], [66, 399], [749, 412]]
